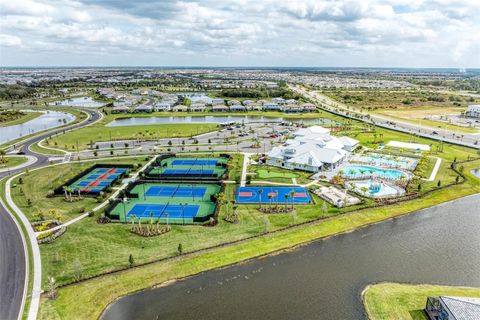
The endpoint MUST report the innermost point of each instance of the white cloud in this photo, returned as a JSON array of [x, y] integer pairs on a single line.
[[295, 32]]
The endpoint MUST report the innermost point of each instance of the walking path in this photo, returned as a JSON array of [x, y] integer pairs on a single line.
[[435, 170], [246, 160], [30, 160]]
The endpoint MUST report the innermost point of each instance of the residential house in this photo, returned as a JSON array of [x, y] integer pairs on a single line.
[[120, 109], [238, 108], [198, 107], [180, 108], [163, 106], [271, 106], [219, 108], [144, 108], [473, 111]]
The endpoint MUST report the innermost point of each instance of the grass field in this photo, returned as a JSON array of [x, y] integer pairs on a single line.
[[9, 162], [280, 175], [90, 298], [37, 184], [39, 149], [27, 116], [395, 301]]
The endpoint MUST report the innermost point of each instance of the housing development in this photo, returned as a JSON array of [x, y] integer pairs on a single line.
[[239, 160]]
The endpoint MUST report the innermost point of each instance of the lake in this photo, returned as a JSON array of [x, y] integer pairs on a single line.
[[324, 280], [48, 120], [140, 121], [86, 102]]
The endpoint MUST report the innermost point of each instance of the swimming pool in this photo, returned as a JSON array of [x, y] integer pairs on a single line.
[[387, 160], [370, 188], [368, 171]]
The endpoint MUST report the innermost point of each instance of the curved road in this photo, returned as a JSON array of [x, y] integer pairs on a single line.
[[12, 258]]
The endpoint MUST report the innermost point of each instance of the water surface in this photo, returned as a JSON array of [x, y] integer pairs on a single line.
[[86, 102], [49, 119], [324, 279], [140, 121]]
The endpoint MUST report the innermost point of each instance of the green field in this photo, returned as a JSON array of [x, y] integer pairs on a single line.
[[91, 297], [9, 161], [395, 301], [36, 185]]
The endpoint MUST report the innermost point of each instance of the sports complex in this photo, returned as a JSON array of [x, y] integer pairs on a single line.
[[166, 203], [95, 179], [273, 194], [171, 167]]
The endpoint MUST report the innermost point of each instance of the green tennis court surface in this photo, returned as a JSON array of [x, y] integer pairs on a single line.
[[190, 168], [177, 203]]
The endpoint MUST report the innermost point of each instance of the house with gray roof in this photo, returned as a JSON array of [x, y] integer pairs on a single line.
[[452, 308]]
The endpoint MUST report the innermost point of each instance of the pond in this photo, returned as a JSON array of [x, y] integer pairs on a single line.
[[48, 120], [324, 280], [476, 172], [86, 102], [140, 121]]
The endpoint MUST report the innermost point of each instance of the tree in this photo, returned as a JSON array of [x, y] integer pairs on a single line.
[[2, 155], [324, 207], [439, 183], [52, 288], [130, 261], [180, 248]]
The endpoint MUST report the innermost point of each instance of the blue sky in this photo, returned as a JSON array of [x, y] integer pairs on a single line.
[[369, 33]]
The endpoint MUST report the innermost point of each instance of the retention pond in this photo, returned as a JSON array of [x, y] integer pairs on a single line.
[[324, 280]]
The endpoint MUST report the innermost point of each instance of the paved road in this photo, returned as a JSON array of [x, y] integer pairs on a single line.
[[464, 139], [12, 258]]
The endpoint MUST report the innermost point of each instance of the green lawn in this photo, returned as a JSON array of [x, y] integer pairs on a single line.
[[275, 174], [39, 149], [397, 301], [36, 185], [9, 161], [27, 116], [91, 297]]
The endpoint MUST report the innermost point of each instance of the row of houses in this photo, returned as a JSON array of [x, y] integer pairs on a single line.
[[201, 107]]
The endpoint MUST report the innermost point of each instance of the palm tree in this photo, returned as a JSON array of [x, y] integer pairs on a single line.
[[286, 201], [292, 195], [260, 199]]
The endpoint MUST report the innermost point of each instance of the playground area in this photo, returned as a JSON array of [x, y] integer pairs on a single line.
[[197, 168], [272, 194], [97, 180], [167, 203]]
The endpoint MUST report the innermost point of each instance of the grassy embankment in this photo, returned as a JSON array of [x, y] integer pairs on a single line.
[[19, 118], [396, 301], [35, 185], [105, 240], [9, 162], [89, 298]]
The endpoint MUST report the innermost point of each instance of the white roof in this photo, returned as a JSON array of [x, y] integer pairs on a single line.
[[408, 145], [347, 141], [463, 308]]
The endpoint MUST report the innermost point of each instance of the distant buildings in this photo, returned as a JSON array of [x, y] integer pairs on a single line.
[[313, 149], [473, 111], [452, 308]]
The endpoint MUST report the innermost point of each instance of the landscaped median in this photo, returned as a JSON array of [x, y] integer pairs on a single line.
[[88, 299], [398, 301]]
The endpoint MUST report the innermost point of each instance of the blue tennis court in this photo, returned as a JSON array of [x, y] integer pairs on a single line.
[[194, 162], [176, 191], [181, 172], [162, 210], [280, 194]]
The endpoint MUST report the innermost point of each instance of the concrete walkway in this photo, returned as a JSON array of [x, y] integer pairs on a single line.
[[30, 160], [435, 170], [100, 206], [246, 161]]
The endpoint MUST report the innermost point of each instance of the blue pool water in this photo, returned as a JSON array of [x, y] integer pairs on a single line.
[[359, 171], [387, 160]]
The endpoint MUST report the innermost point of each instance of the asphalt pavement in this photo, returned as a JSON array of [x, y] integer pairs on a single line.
[[12, 257]]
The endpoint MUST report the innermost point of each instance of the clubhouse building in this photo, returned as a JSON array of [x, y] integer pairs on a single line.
[[312, 149]]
